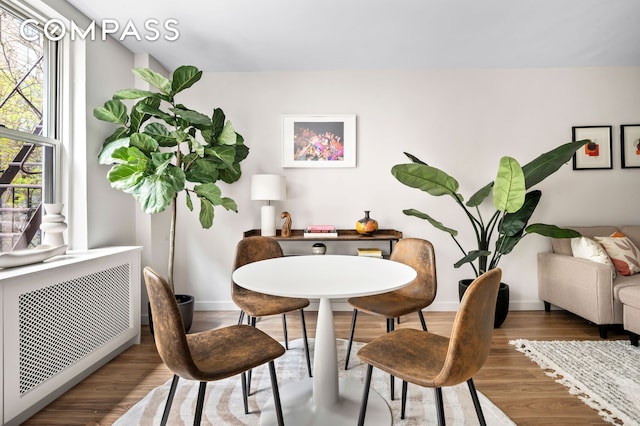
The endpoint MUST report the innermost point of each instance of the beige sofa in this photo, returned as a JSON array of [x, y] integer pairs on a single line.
[[584, 287]]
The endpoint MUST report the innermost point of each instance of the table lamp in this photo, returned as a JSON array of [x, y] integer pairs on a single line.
[[268, 188]]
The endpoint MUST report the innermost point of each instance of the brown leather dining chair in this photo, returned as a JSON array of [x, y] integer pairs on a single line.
[[420, 255], [435, 361], [210, 355], [255, 304]]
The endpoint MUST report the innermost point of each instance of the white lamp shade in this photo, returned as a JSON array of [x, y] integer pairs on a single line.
[[268, 187]]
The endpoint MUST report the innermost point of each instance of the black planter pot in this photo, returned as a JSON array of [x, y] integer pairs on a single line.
[[502, 304], [185, 306]]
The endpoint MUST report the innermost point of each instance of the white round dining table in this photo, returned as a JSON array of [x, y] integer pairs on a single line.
[[325, 400]]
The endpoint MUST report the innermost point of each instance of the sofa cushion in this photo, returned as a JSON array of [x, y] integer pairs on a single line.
[[623, 253], [586, 248], [630, 295], [563, 245]]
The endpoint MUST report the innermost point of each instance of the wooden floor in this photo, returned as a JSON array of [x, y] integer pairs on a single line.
[[509, 379]]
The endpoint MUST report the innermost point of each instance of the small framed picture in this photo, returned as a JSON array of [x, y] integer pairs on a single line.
[[595, 154], [319, 140], [630, 145]]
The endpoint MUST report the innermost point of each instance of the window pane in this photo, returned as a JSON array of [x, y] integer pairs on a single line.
[[25, 162], [22, 82]]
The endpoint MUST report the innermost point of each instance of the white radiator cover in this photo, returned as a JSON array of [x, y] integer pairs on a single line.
[[62, 320]]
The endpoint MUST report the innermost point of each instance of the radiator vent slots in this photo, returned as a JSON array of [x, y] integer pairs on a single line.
[[65, 322]]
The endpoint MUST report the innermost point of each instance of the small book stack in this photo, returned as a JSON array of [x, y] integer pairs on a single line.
[[320, 231], [370, 252]]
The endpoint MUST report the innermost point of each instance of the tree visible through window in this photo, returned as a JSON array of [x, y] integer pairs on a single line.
[[26, 70]]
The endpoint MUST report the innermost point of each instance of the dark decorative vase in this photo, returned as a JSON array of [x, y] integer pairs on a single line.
[[186, 305], [366, 225], [502, 304]]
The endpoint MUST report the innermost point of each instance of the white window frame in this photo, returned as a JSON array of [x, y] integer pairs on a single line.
[[52, 178]]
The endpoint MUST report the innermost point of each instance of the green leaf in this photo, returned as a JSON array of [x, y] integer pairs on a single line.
[[156, 112], [184, 77], [426, 178], [551, 231], [506, 243], [210, 191], [188, 200], [228, 135], [230, 174], [471, 257], [513, 223], [229, 204], [548, 163], [113, 111], [160, 133], [477, 198], [414, 159], [242, 151], [154, 193], [432, 221], [218, 121], [202, 171], [153, 78], [132, 94], [106, 155], [144, 142], [206, 213], [196, 146], [138, 117], [509, 189], [124, 177], [225, 154], [194, 118], [161, 164]]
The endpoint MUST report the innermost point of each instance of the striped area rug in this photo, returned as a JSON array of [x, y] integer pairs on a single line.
[[223, 404], [604, 374]]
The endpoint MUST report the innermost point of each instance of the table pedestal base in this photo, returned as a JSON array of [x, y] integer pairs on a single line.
[[298, 407]]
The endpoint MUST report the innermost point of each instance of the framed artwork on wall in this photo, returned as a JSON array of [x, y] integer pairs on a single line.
[[319, 140], [596, 154], [630, 145]]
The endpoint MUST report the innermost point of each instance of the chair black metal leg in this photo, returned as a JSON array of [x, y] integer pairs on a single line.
[[167, 406], [252, 321], [424, 324], [276, 393], [439, 406], [201, 391], [284, 330], [633, 337], [404, 399], [476, 402], [392, 382], [245, 397], [241, 318], [305, 341], [353, 329], [365, 395]]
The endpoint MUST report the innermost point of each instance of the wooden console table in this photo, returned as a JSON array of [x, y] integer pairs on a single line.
[[390, 235]]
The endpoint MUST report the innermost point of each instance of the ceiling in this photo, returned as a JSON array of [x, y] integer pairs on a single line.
[[283, 35]]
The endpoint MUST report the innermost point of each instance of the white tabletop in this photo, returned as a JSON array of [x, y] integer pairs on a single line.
[[324, 276]]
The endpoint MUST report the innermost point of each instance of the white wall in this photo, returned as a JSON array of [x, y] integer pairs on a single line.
[[461, 121]]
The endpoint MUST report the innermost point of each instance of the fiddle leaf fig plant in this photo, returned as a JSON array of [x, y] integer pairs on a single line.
[[162, 148], [514, 206]]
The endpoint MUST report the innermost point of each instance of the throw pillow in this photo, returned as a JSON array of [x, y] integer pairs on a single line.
[[586, 248], [623, 253]]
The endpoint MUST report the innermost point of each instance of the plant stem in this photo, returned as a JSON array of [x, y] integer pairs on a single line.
[[172, 241]]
